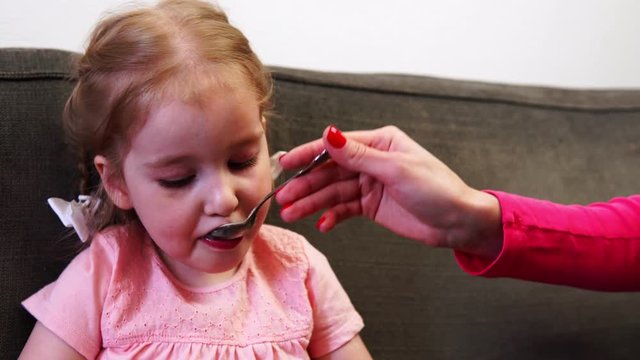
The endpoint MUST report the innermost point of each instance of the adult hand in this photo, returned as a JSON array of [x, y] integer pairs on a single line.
[[386, 176]]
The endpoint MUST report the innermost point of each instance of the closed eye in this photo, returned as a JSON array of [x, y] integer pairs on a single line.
[[176, 183], [243, 164]]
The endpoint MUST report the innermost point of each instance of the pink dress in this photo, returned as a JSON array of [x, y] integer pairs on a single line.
[[117, 300], [594, 247]]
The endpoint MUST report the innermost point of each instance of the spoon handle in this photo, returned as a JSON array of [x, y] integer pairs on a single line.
[[319, 159]]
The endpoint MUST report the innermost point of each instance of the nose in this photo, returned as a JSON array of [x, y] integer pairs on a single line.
[[220, 196]]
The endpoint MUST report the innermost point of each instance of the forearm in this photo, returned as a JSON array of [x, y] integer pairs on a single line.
[[595, 246]]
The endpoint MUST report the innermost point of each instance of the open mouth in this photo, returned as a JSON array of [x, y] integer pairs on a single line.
[[215, 238], [222, 243]]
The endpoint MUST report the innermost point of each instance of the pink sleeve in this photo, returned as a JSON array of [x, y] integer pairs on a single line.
[[335, 320], [71, 307], [596, 246]]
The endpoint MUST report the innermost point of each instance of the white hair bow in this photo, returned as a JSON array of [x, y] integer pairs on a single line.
[[276, 169], [74, 213]]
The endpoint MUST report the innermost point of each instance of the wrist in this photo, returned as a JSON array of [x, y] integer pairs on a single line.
[[480, 231]]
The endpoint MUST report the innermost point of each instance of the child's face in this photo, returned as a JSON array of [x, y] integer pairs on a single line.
[[192, 168]]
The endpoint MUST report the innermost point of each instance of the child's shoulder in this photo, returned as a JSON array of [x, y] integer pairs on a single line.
[[282, 245], [287, 247], [276, 232], [281, 239], [117, 238]]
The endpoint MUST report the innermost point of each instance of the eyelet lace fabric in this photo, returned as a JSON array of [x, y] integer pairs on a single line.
[[118, 300]]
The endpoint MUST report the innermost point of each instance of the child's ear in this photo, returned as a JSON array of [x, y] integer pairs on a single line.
[[113, 184]]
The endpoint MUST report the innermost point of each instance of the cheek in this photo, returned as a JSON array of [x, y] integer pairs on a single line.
[[155, 221], [170, 228], [260, 186], [262, 183], [255, 187], [160, 214]]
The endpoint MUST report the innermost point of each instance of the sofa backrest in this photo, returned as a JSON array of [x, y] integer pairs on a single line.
[[570, 146], [33, 166]]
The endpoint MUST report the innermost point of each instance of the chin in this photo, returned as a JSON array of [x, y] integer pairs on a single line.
[[228, 261]]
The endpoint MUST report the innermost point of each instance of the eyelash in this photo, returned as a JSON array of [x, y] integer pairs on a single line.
[[244, 165], [182, 182], [178, 183]]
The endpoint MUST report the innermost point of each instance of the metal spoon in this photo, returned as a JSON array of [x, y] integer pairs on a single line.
[[235, 230]]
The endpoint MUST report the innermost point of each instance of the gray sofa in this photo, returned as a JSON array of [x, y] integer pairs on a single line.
[[569, 146]]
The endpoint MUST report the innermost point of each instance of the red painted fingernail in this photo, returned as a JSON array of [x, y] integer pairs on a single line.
[[285, 207], [335, 137], [320, 221], [281, 156]]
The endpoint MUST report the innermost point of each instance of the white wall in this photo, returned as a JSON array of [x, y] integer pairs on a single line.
[[570, 43]]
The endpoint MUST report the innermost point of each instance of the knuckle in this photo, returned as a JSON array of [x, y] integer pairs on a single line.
[[391, 128], [359, 154]]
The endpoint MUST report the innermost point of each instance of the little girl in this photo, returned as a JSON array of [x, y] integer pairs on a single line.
[[170, 107]]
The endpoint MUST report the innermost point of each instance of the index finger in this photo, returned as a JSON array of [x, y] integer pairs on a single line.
[[301, 154]]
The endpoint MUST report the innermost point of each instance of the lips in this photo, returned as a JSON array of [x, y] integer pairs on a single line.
[[222, 244]]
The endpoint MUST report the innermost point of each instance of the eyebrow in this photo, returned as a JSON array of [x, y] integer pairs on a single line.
[[181, 159], [248, 140], [167, 161]]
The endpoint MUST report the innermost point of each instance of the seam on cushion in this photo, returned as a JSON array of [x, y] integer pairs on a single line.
[[586, 109], [19, 75]]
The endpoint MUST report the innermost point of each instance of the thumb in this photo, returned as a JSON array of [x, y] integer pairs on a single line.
[[354, 155]]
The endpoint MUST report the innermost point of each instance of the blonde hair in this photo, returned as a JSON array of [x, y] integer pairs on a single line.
[[179, 48]]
